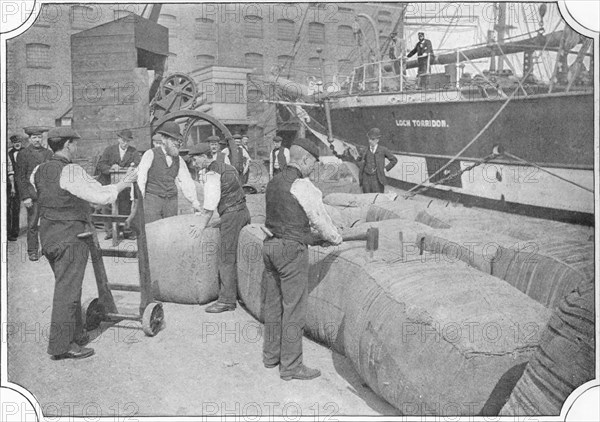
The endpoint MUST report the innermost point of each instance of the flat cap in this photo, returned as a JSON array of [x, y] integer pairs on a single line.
[[277, 139], [420, 33], [213, 138], [125, 134], [374, 133], [237, 136], [307, 145], [202, 148], [62, 132], [35, 130], [170, 129]]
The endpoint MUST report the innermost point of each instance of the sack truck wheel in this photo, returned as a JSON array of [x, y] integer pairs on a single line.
[[152, 319], [93, 314]]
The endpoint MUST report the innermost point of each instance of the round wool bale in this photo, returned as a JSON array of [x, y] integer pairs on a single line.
[[183, 269]]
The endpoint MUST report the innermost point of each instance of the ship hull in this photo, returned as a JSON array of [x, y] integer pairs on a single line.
[[425, 131]]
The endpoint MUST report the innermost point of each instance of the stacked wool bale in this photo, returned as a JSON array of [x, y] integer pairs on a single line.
[[437, 334]]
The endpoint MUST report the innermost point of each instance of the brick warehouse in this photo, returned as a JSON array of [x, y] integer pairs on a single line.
[[257, 36]]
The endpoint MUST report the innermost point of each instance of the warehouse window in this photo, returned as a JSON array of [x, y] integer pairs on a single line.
[[205, 29], [253, 26], [204, 60], [38, 55], [314, 67], [170, 22], [345, 35], [255, 61], [286, 30], [41, 96], [316, 33], [83, 17]]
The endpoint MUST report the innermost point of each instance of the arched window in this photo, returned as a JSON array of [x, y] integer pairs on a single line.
[[286, 30], [83, 17], [255, 61], [314, 67], [253, 26], [345, 36], [205, 29], [38, 55], [170, 21], [316, 33], [204, 60]]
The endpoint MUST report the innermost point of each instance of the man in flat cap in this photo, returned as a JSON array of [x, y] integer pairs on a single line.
[[12, 189], [161, 170], [296, 218], [424, 51], [116, 157], [31, 157], [237, 156], [64, 192], [222, 192], [371, 172], [278, 158]]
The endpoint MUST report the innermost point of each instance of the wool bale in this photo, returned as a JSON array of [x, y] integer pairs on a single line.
[[565, 359], [417, 330], [357, 200], [183, 268]]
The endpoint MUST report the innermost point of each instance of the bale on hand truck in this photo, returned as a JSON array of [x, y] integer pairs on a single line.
[[103, 308]]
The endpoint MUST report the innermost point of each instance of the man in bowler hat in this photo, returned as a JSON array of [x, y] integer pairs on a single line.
[[371, 173]]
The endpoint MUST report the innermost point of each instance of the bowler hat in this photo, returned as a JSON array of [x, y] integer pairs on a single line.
[[421, 33], [35, 130], [62, 132], [170, 129], [199, 149], [308, 146], [213, 138], [126, 135], [237, 136], [277, 139], [374, 133]]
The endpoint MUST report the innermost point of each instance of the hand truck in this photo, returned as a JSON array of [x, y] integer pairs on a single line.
[[103, 308]]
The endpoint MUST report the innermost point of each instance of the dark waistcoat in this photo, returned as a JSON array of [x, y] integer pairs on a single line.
[[161, 178], [232, 194]]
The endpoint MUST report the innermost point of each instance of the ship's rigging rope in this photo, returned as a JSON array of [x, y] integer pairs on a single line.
[[488, 124]]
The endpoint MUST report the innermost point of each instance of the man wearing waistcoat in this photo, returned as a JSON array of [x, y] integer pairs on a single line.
[[31, 157], [372, 177], [279, 157], [296, 218], [238, 157], [216, 148], [12, 192], [64, 192], [222, 192], [161, 170], [115, 157]]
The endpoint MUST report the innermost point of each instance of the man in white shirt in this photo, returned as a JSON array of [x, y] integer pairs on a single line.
[[278, 158], [296, 217], [64, 207], [222, 192], [243, 165], [161, 170]]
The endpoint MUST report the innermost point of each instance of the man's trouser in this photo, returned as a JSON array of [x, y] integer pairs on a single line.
[[33, 217], [285, 291], [68, 257], [371, 184], [156, 207], [12, 215], [231, 225]]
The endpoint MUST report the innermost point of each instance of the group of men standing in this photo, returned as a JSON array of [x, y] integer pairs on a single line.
[[295, 218]]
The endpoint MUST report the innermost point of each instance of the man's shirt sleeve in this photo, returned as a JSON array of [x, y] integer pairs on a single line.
[[143, 168], [212, 190], [76, 180], [310, 199], [187, 185]]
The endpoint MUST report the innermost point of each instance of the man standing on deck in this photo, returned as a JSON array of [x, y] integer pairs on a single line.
[[161, 170], [296, 217], [424, 51], [371, 172], [64, 192], [31, 157], [222, 192]]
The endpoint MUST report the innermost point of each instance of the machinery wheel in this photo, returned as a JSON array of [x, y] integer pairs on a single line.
[[93, 314], [180, 89], [152, 319]]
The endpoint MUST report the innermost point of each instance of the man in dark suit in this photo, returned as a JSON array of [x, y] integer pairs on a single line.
[[12, 189], [371, 170], [424, 51], [115, 157], [29, 158]]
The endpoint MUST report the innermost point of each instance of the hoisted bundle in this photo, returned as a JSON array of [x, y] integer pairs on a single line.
[[565, 359], [404, 323]]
